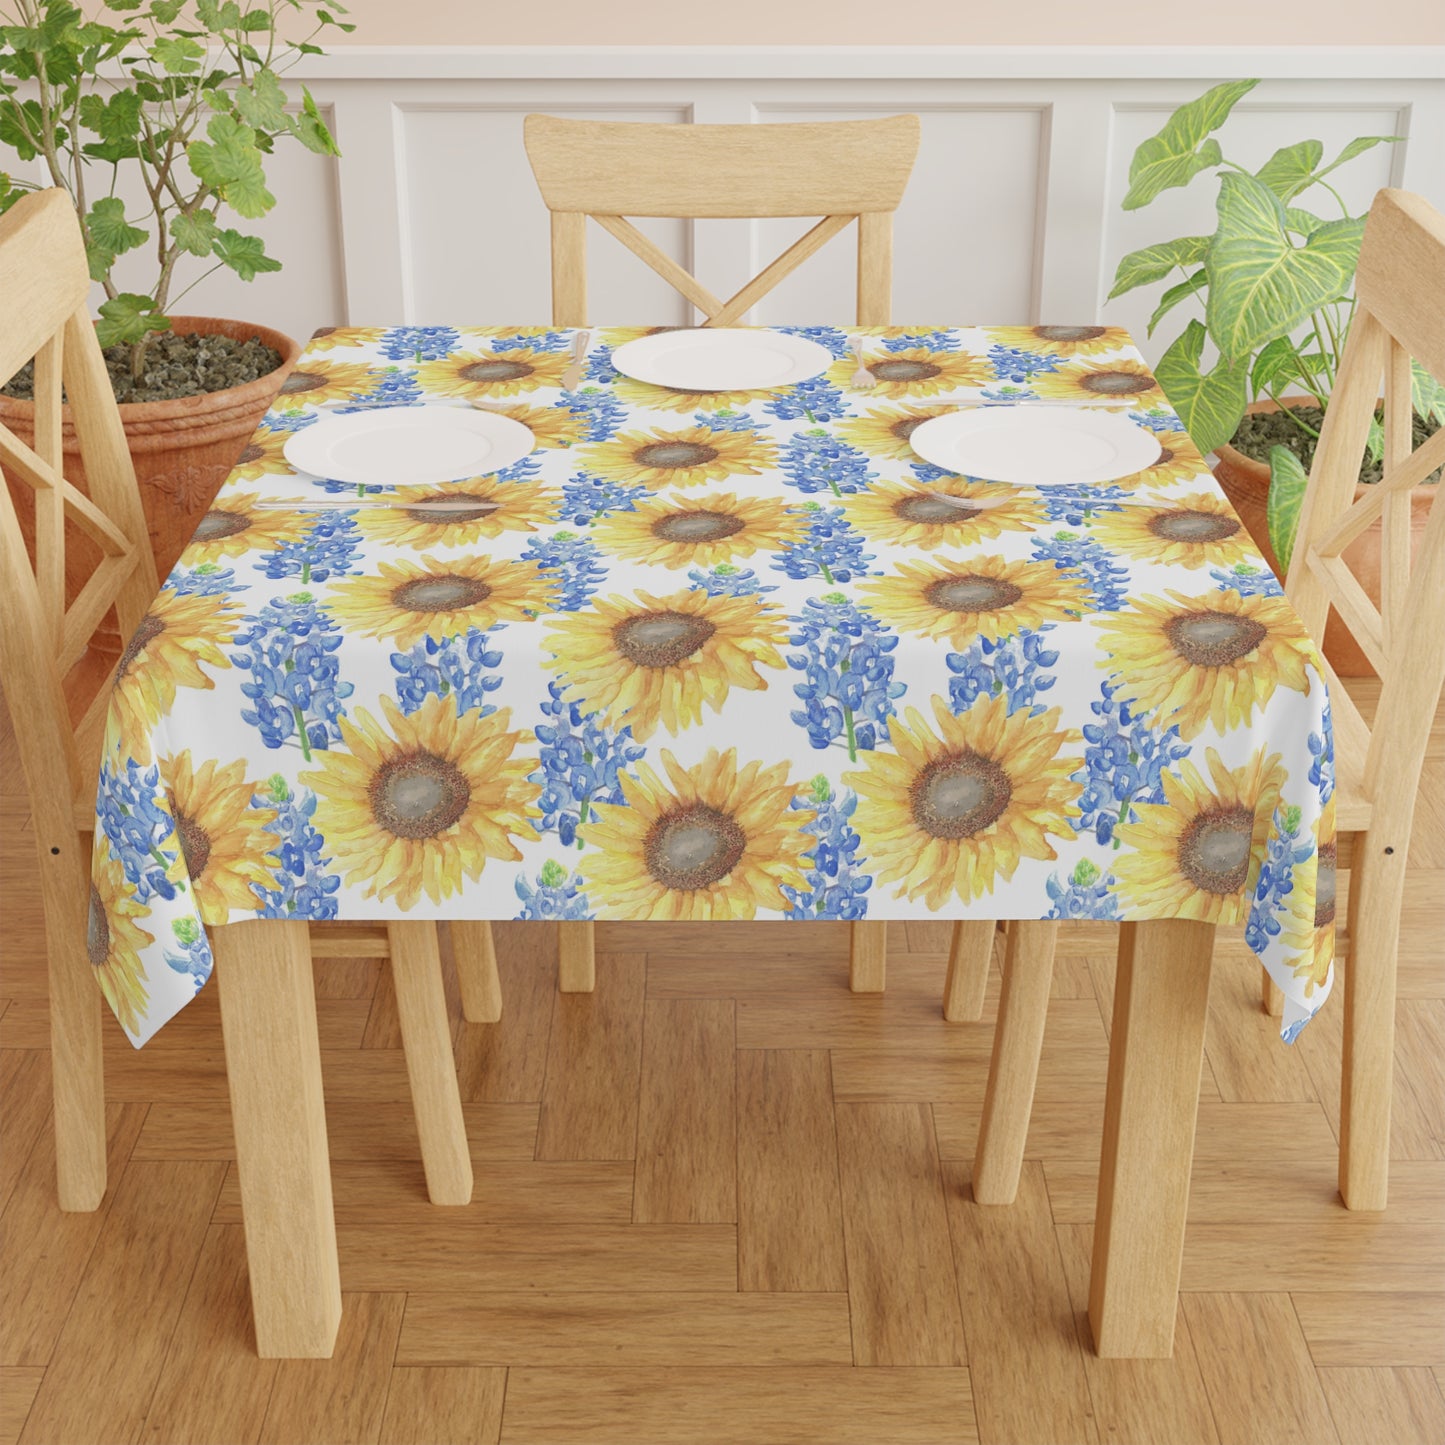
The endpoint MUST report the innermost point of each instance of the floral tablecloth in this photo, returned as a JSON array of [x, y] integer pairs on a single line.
[[713, 655]]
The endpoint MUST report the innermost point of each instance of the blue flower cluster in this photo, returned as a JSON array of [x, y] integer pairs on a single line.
[[556, 896], [295, 688], [912, 340], [463, 667], [830, 337], [1085, 894], [581, 765], [599, 366], [831, 549], [604, 412], [725, 420], [195, 958], [1158, 418], [575, 561], [535, 340], [1285, 852], [836, 888], [394, 386], [817, 400], [304, 888], [207, 580], [130, 812], [847, 663], [1016, 666], [585, 497], [1108, 578], [420, 343], [1075, 504], [814, 461], [330, 548], [1010, 363], [1322, 750], [1247, 581], [1124, 763], [289, 421], [725, 580]]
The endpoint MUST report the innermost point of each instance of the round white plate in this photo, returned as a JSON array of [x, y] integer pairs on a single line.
[[1037, 446], [408, 446], [722, 359]]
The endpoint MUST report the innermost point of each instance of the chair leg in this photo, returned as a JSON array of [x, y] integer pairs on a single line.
[[1017, 1041], [476, 961], [426, 1036], [576, 957], [1271, 996], [273, 1069], [1377, 888], [867, 957], [969, 956], [1156, 1054]]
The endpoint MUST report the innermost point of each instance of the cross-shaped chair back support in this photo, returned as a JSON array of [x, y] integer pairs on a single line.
[[842, 170], [1400, 315]]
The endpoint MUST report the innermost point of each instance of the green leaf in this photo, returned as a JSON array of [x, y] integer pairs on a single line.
[[311, 130], [1301, 222], [1210, 404], [245, 255], [230, 163], [1277, 365], [1190, 286], [1175, 156], [116, 119], [18, 118], [109, 228], [1358, 147], [196, 234], [1291, 169], [262, 104], [1287, 482], [1426, 394], [128, 318], [1153, 263], [1375, 439], [1261, 286], [177, 55]]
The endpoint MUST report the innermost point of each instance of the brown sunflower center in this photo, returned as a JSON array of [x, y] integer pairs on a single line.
[[1214, 850], [150, 628], [1165, 456], [322, 331], [253, 453], [903, 369], [97, 930], [1186, 526], [905, 426], [1325, 886], [674, 454], [661, 639], [218, 523], [461, 507], [693, 847], [440, 594], [195, 845], [1213, 639], [496, 368], [1116, 383], [972, 593], [934, 510], [959, 795], [418, 795], [697, 526], [300, 381], [1068, 333]]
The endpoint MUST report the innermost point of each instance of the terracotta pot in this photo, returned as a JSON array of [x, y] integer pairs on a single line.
[[1246, 483], [183, 450]]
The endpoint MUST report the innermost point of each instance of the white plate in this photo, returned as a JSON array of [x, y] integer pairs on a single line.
[[408, 446], [722, 359], [1037, 445]]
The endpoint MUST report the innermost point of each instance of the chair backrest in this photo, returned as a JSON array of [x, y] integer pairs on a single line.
[[1400, 315], [45, 282], [609, 170]]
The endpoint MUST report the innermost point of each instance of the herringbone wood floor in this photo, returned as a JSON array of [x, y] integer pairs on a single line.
[[723, 1200]]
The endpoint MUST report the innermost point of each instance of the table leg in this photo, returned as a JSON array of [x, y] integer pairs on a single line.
[[576, 957], [1156, 1052], [969, 955], [867, 957], [476, 960], [273, 1067]]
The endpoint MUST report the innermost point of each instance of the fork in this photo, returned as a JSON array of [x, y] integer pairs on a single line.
[[862, 378], [577, 369]]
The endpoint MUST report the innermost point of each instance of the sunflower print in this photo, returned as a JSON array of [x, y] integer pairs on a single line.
[[948, 812], [889, 432], [646, 661], [330, 338], [166, 652], [1123, 380], [223, 847], [1178, 461], [915, 372], [698, 531], [264, 456], [418, 804], [406, 601], [553, 426], [1200, 530], [482, 508], [236, 522], [1198, 854], [713, 841], [1061, 340], [114, 938], [1203, 660], [942, 513], [986, 596], [320, 382], [688, 457], [1313, 915], [648, 396], [513, 372]]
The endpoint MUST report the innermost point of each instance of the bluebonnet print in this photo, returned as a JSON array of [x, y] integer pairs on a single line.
[[816, 400], [927, 472], [830, 549], [1084, 894], [462, 667], [830, 337], [847, 689], [394, 386], [295, 687], [581, 765], [1322, 756], [725, 580], [556, 896], [1286, 850], [1157, 418], [585, 497], [290, 420], [194, 960], [836, 886], [599, 366], [207, 580], [304, 888], [1017, 665], [603, 411], [128, 808], [535, 340], [1247, 581], [575, 561], [330, 548], [814, 461], [932, 340], [1076, 504], [1124, 764], [1108, 578], [1011, 364], [420, 343], [725, 420]]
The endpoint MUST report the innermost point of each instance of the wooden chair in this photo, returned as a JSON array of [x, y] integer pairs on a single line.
[[44, 663], [842, 170]]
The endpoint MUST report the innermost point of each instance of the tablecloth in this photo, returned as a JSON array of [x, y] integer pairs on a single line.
[[714, 655]]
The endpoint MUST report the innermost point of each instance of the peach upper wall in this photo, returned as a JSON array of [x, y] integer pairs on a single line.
[[876, 22]]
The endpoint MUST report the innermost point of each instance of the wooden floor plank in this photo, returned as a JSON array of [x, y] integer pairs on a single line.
[[25, 1115], [1242, 1041], [901, 1287], [444, 1406], [796, 1406], [506, 1062], [1363, 1327], [18, 1387], [1353, 1252], [790, 1214], [1369, 1405]]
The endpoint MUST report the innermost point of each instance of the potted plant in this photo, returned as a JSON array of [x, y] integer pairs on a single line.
[[1274, 280], [187, 99]]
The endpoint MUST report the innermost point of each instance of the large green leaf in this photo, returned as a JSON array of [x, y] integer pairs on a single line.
[[1175, 156], [231, 163], [1277, 366], [1260, 285], [1427, 394], [108, 225], [1291, 169], [1153, 263], [245, 255], [1210, 404], [1287, 482], [1302, 222], [177, 55], [262, 104], [1190, 286], [128, 318], [194, 234], [1358, 147]]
